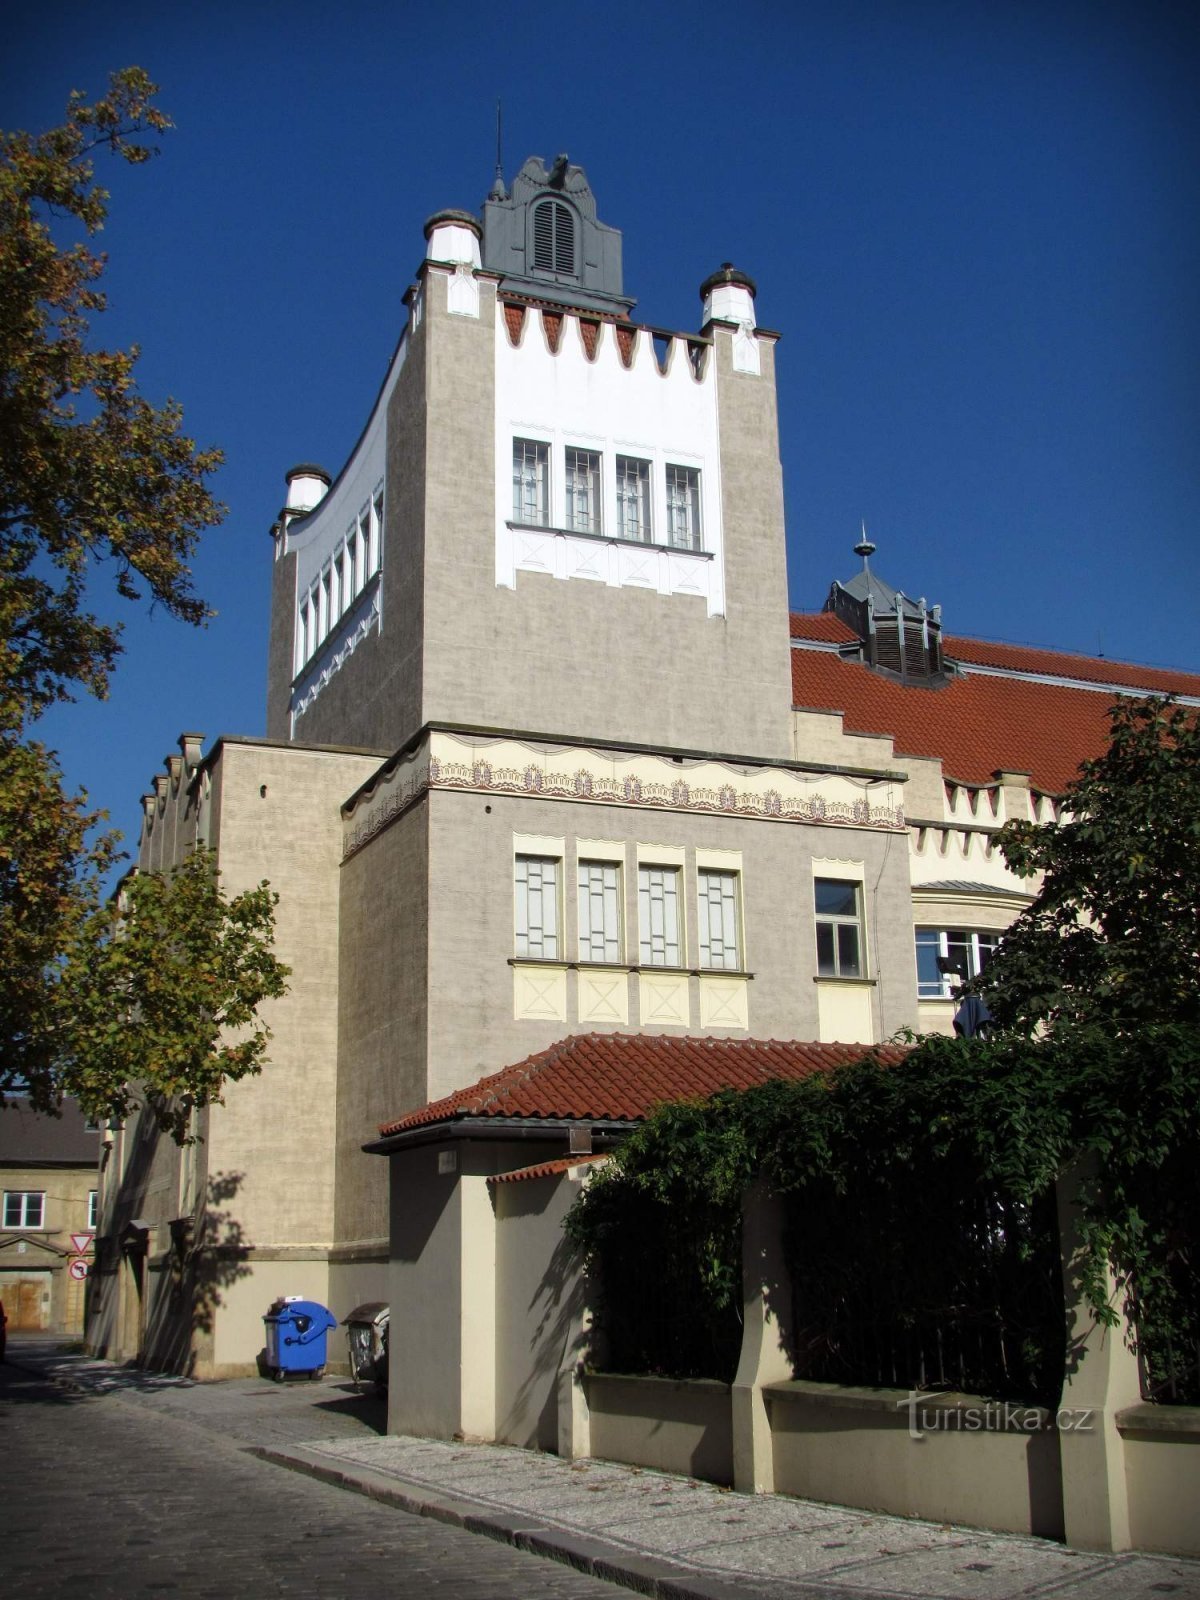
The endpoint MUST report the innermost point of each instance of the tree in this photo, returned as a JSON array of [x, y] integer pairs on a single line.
[[52, 860], [90, 472], [154, 997], [1113, 937], [156, 1004]]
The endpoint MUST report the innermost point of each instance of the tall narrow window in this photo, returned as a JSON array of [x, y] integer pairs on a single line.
[[537, 907], [554, 237], [683, 508], [93, 1198], [658, 916], [633, 499], [838, 904], [531, 501], [583, 491], [717, 898], [599, 911], [375, 534], [362, 540]]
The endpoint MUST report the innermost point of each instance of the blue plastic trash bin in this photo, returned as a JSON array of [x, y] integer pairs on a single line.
[[296, 1334]]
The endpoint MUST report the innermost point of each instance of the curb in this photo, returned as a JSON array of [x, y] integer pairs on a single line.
[[655, 1576]]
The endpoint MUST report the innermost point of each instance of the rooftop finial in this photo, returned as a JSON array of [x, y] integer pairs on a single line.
[[865, 548], [499, 189]]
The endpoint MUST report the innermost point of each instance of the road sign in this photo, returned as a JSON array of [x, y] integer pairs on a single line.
[[81, 1243], [78, 1269]]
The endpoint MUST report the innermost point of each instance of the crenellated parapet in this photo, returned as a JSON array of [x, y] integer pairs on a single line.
[[174, 809]]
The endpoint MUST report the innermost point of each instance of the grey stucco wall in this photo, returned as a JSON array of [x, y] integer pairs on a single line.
[[471, 1027], [383, 1010]]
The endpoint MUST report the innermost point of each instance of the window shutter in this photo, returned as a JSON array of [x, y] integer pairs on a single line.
[[543, 237], [554, 237]]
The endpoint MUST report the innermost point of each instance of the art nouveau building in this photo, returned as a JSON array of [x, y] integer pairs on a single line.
[[534, 765]]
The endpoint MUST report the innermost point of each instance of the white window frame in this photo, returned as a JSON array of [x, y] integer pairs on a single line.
[[18, 1211], [661, 919], [837, 921], [583, 482], [964, 937], [719, 934], [601, 911], [683, 507], [634, 516], [93, 1211], [537, 899], [531, 472], [373, 516]]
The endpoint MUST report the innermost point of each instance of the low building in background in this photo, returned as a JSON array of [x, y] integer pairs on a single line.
[[49, 1174]]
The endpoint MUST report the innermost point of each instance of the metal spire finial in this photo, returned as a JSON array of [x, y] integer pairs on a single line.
[[499, 189], [864, 548]]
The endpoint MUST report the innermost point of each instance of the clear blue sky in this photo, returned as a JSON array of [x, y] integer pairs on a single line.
[[975, 225]]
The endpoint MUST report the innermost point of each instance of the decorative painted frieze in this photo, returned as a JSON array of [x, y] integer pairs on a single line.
[[639, 780]]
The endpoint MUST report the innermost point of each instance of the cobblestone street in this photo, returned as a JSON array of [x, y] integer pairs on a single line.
[[151, 1492]]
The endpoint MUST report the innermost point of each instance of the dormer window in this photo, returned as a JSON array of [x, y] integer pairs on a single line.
[[554, 238]]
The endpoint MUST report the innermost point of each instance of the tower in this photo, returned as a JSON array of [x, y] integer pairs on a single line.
[[556, 519]]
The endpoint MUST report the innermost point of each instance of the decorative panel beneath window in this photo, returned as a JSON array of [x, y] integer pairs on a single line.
[[663, 1000], [845, 1012], [565, 555], [604, 998], [539, 993], [724, 1002]]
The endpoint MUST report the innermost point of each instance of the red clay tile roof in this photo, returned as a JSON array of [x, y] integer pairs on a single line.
[[821, 625], [977, 724], [547, 1169], [1057, 663], [621, 1077]]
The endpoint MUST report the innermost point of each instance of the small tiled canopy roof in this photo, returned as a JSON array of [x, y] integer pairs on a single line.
[[621, 1077], [977, 724]]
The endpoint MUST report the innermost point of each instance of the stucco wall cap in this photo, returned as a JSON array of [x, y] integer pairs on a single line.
[[306, 469], [728, 273], [458, 219]]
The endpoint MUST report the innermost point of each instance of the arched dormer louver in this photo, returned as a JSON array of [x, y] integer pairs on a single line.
[[553, 237]]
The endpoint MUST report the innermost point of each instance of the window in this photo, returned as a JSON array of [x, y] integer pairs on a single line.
[[554, 237], [374, 520], [658, 917], [362, 541], [633, 499], [599, 911], [683, 508], [839, 928], [24, 1208], [537, 907], [531, 501], [717, 895], [583, 491], [93, 1202], [970, 953]]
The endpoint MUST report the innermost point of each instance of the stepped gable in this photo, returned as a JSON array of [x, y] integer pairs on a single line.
[[992, 712], [622, 1077], [976, 726]]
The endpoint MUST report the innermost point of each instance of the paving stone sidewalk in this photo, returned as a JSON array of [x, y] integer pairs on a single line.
[[654, 1533]]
